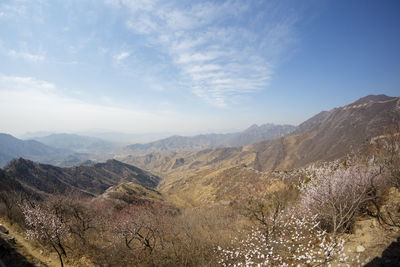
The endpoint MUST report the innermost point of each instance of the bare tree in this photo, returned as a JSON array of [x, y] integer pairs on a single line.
[[386, 153], [137, 225], [266, 212]]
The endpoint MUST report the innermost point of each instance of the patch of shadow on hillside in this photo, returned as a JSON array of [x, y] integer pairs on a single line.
[[10, 257], [390, 257]]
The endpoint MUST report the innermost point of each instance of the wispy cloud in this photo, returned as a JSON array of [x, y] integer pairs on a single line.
[[26, 56], [15, 10], [217, 57], [214, 50], [118, 58], [23, 83]]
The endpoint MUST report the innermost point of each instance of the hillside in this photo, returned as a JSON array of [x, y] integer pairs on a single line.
[[8, 183], [132, 193], [176, 144], [93, 179], [220, 187], [177, 165]]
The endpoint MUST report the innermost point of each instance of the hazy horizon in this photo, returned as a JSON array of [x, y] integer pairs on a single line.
[[128, 137], [137, 66]]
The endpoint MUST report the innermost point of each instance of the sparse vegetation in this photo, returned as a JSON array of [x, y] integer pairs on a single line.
[[297, 220]]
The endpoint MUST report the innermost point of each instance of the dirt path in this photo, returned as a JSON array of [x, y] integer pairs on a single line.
[[35, 255]]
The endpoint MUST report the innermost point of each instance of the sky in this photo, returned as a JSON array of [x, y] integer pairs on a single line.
[[188, 67]]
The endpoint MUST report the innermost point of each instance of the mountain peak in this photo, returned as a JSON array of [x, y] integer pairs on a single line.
[[372, 98], [17, 162]]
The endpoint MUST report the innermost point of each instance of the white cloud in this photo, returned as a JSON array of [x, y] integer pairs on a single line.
[[22, 83], [143, 25], [139, 5], [121, 56], [206, 68], [196, 57], [14, 10], [217, 59], [26, 56]]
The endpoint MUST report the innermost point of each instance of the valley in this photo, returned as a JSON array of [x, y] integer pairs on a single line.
[[203, 133]]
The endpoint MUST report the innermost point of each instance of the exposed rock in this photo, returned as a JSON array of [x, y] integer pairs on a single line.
[[360, 248], [3, 230], [11, 240]]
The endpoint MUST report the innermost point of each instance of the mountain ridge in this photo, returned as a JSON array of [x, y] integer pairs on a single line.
[[326, 136], [76, 143], [200, 142], [12, 147], [88, 179], [330, 134]]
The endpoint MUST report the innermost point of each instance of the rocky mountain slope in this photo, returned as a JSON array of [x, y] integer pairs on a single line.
[[330, 134]]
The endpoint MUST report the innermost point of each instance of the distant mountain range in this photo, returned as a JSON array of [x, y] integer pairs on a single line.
[[56, 149], [72, 149], [11, 147], [77, 143], [326, 136], [113, 137], [249, 136]]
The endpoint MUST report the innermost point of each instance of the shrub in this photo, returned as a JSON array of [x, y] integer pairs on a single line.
[[297, 241], [336, 193]]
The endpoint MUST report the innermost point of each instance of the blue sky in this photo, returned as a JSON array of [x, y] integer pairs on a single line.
[[189, 66]]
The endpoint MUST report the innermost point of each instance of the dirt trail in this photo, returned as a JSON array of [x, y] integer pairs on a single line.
[[35, 255], [370, 239]]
